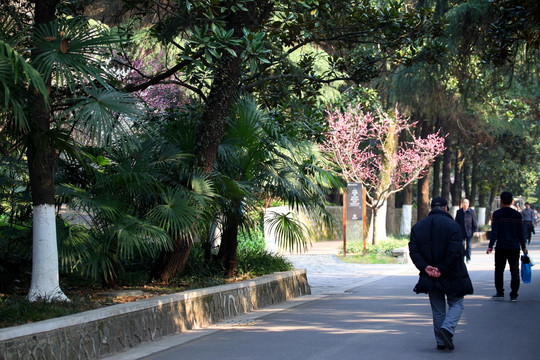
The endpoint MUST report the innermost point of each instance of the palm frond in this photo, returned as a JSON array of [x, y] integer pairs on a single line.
[[141, 236], [16, 77], [73, 243], [177, 214], [71, 51], [107, 116], [101, 261], [101, 210], [290, 234]]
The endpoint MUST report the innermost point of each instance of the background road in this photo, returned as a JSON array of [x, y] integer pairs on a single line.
[[370, 314]]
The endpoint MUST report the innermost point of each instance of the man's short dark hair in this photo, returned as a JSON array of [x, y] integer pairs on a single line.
[[506, 198]]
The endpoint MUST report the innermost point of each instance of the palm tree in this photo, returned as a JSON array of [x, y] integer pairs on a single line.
[[257, 161], [134, 201], [58, 87]]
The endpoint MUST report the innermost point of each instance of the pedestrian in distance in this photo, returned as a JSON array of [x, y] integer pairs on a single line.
[[507, 236], [436, 249], [466, 218], [529, 221]]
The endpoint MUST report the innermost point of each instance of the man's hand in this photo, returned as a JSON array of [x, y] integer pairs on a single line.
[[432, 271], [489, 250], [525, 251]]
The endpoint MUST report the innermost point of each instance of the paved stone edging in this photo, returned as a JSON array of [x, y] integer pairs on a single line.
[[98, 333]]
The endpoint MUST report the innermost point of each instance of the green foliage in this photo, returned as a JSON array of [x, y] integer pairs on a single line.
[[381, 248], [15, 256], [132, 209], [257, 160], [291, 234], [19, 311], [18, 78], [260, 262], [16, 310], [253, 260], [369, 258], [251, 241]]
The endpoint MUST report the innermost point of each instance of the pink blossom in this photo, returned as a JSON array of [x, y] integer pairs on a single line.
[[359, 145], [160, 97]]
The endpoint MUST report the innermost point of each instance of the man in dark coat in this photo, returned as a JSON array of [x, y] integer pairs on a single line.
[[436, 249], [507, 236], [466, 218]]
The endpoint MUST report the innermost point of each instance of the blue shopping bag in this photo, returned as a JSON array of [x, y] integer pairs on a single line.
[[526, 265]]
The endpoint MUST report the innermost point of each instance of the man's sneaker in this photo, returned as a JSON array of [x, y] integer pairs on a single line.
[[513, 298], [441, 347], [498, 297], [446, 337]]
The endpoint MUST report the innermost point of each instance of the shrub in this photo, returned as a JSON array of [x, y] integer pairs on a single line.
[[382, 248], [251, 241]]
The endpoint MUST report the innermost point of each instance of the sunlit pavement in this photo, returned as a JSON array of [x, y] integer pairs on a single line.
[[369, 312]]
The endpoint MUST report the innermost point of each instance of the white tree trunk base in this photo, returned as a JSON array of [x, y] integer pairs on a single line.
[[381, 225], [481, 216], [406, 220], [45, 283]]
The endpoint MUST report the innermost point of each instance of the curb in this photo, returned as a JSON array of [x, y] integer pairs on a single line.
[[98, 333]]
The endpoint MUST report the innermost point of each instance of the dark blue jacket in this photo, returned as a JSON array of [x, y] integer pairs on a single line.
[[467, 222], [437, 241], [507, 229]]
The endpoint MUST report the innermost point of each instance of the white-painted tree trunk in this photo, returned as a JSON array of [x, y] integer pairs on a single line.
[[45, 284], [453, 210], [381, 225], [406, 220], [481, 216]]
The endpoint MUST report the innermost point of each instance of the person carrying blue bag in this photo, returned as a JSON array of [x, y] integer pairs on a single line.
[[507, 234]]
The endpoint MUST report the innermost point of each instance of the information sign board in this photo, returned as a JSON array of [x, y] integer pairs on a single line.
[[354, 201]]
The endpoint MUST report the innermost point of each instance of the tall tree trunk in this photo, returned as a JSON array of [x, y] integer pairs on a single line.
[[218, 105], [457, 186], [41, 168], [391, 214], [373, 227], [406, 211], [423, 197], [229, 244], [446, 168], [224, 87], [209, 135], [493, 192], [466, 182], [483, 196], [482, 205], [172, 263], [474, 180], [436, 189], [423, 183]]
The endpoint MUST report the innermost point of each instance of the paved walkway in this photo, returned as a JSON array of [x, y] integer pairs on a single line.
[[368, 312]]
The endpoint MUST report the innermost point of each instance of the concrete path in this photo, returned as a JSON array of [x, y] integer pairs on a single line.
[[369, 312]]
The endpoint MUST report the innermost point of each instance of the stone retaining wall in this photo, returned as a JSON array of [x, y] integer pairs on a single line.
[[102, 332]]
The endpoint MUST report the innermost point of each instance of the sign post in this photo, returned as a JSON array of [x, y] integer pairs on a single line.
[[364, 218], [353, 209]]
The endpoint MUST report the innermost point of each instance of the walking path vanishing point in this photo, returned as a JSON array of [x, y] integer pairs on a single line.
[[368, 312]]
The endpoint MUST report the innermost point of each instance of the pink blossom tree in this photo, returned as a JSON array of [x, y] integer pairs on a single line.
[[136, 68], [366, 148]]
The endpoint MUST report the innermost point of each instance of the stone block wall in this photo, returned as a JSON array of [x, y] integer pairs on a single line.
[[98, 333]]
